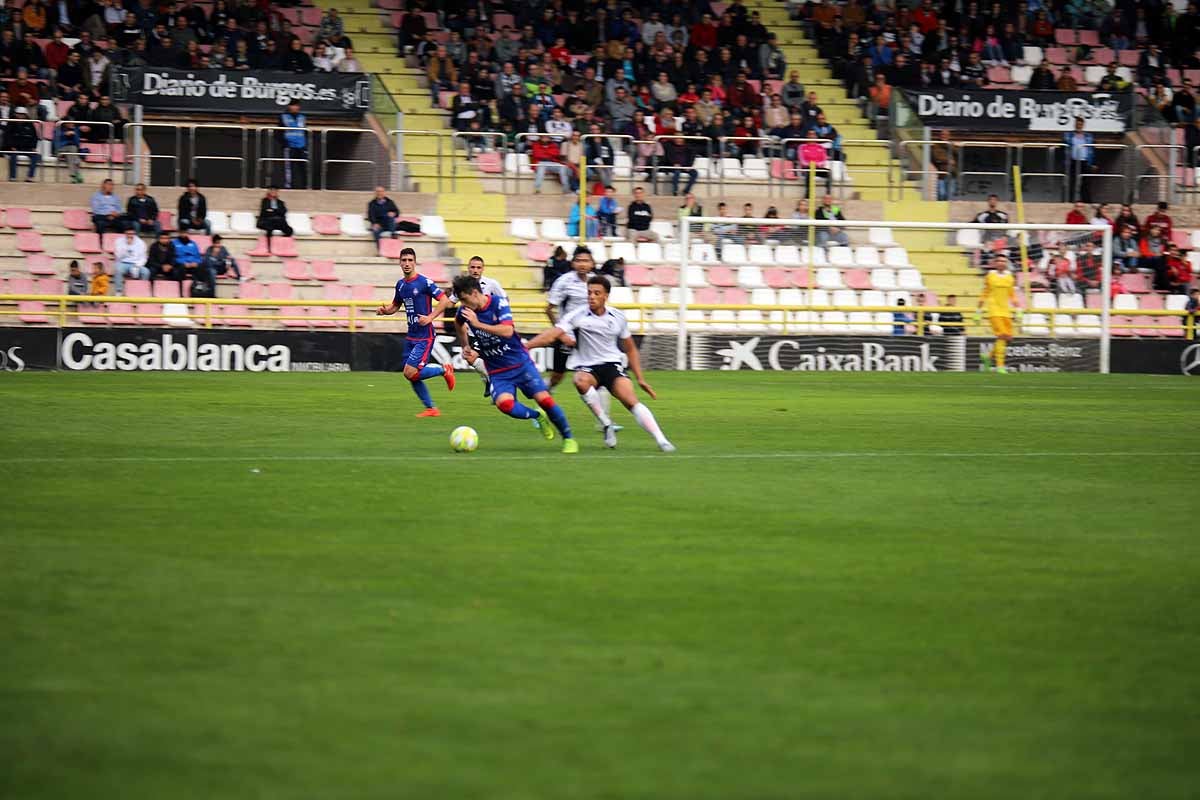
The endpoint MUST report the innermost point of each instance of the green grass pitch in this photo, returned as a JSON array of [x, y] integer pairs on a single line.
[[877, 586]]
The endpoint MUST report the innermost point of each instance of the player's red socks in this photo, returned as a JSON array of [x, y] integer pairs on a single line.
[[547, 402]]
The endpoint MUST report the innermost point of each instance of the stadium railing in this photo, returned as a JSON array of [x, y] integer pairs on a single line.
[[643, 317]]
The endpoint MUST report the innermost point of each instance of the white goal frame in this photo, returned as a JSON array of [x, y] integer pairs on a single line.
[[1021, 229]]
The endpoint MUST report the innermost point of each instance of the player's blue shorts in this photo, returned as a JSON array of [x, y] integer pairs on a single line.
[[417, 352], [526, 378]]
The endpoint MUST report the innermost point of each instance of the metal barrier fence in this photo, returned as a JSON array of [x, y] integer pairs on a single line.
[[401, 178], [37, 159], [790, 318], [474, 144], [267, 138]]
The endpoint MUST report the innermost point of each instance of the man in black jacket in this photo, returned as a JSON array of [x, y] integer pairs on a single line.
[[21, 141], [142, 211], [272, 215], [160, 260], [384, 216], [193, 210]]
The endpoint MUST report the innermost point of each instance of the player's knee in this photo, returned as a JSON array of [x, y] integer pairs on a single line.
[[546, 402], [505, 403], [411, 374]]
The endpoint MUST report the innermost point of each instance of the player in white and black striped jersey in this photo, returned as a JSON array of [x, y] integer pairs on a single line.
[[489, 287], [600, 337]]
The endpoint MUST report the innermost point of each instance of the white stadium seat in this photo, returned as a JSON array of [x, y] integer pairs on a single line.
[[880, 237], [755, 169], [703, 254], [733, 253], [818, 256], [833, 322], [731, 168], [672, 252], [553, 229], [968, 237], [219, 221], [829, 278], [1044, 300], [1035, 325], [1021, 74], [767, 297], [664, 228], [894, 298], [909, 279], [787, 255], [866, 257], [884, 279], [517, 164], [751, 278], [1122, 302], [625, 250], [599, 252], [523, 228], [1087, 325], [703, 167], [841, 256], [622, 165], [1031, 55], [351, 225], [243, 222], [760, 254], [896, 257], [300, 222], [649, 253], [845, 297], [434, 225], [696, 278]]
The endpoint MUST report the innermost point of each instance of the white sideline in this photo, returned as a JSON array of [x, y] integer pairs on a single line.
[[800, 455]]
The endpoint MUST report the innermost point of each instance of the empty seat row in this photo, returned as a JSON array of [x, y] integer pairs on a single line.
[[750, 277]]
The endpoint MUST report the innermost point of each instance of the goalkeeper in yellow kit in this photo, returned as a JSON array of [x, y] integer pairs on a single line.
[[999, 292]]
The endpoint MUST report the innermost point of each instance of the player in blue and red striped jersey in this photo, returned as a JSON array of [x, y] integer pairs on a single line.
[[416, 295], [488, 320]]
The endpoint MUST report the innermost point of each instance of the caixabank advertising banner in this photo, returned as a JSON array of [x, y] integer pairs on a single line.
[[827, 353]]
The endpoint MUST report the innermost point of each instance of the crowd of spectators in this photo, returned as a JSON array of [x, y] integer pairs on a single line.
[[676, 77]]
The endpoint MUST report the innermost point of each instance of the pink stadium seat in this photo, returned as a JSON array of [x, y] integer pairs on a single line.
[[93, 318], [667, 277], [77, 219], [1092, 300], [202, 241], [489, 162], [22, 286], [1129, 58], [39, 264], [326, 225], [735, 296], [167, 220], [236, 316], [295, 270], [324, 271], [435, 271], [1146, 321], [1136, 282], [397, 19], [415, 221], [800, 277], [31, 311], [312, 17], [362, 292], [1192, 75], [18, 218], [999, 75], [538, 251], [1066, 37], [1151, 302], [707, 296], [778, 278], [638, 275], [1181, 239], [1103, 55], [98, 153], [783, 169], [170, 290], [251, 291], [50, 286], [260, 248], [390, 248], [138, 288], [284, 247], [149, 314], [721, 276], [87, 243], [110, 242], [1056, 55], [246, 265], [856, 278], [1090, 38], [279, 291]]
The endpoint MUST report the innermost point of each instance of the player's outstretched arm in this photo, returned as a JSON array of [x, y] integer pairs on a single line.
[[546, 338], [387, 309], [635, 366]]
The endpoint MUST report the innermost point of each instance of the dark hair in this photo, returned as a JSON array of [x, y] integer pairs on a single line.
[[465, 284], [600, 280], [582, 250], [192, 182], [476, 258], [900, 301], [408, 251], [216, 238], [558, 250]]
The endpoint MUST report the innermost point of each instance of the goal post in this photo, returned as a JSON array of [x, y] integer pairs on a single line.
[[805, 276]]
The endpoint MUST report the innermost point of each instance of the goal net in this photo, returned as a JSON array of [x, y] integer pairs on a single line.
[[826, 294]]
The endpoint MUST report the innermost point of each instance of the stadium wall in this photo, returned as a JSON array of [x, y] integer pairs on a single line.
[[173, 349]]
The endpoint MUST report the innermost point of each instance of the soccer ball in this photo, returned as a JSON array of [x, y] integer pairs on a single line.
[[463, 439]]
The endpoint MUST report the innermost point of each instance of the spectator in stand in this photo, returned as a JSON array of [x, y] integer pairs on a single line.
[[187, 255], [607, 211], [1088, 268], [1112, 81], [1127, 249], [792, 92], [831, 234], [25, 93], [994, 215], [96, 72], [545, 156], [772, 63], [69, 81], [1191, 141], [945, 161], [1152, 64], [68, 147], [558, 126], [601, 158], [1061, 273], [901, 320], [1179, 271], [106, 210], [679, 157], [295, 60], [272, 215], [951, 321], [384, 217], [1081, 159], [216, 260], [813, 162], [349, 63], [441, 72], [1042, 79], [880, 94], [21, 141], [142, 211], [592, 229], [1078, 214], [76, 282], [810, 110], [160, 261], [295, 146], [1104, 216], [556, 266], [639, 217], [1154, 254], [464, 109], [129, 259], [1066, 81], [1161, 219], [322, 62], [108, 122], [192, 210], [99, 285]]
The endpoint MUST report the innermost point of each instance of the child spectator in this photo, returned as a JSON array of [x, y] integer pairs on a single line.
[[1061, 273], [900, 319], [1087, 268], [1193, 304], [1126, 250], [607, 212], [76, 282], [99, 287], [1179, 271], [218, 261]]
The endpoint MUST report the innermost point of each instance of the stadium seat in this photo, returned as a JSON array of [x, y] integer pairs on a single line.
[[841, 256], [800, 277], [1044, 301], [751, 277], [797, 320], [722, 277], [696, 279], [77, 219], [625, 250], [731, 169], [434, 226], [866, 257], [649, 253], [260, 248], [390, 248], [175, 315], [1087, 325], [857, 278], [787, 255], [755, 169], [968, 237], [87, 243], [39, 264], [162, 289], [279, 291], [623, 296], [284, 247], [523, 228], [703, 254], [325, 270], [829, 278], [436, 271], [1176, 302], [31, 311], [296, 270], [819, 259], [599, 252], [880, 237], [1035, 325], [242, 222], [18, 218], [760, 254], [554, 229], [219, 221], [1019, 73], [672, 252], [883, 278], [326, 224], [538, 251], [896, 257], [300, 222], [252, 291], [622, 166], [639, 275], [733, 253], [664, 228], [353, 225], [909, 279], [777, 278], [666, 276], [517, 164]]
